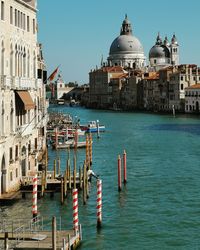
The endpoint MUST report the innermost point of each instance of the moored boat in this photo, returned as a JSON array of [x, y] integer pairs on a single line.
[[93, 127]]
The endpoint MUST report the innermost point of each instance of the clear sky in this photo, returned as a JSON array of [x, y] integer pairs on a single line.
[[76, 33]]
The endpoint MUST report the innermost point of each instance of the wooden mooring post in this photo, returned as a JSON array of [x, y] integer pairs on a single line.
[[119, 174], [54, 233], [84, 183], [54, 169], [6, 241], [124, 164], [61, 192]]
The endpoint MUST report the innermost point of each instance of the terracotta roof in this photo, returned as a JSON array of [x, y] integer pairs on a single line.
[[195, 86], [112, 69], [152, 76], [119, 76]]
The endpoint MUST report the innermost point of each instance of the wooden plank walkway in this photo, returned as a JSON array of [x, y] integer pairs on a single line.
[[46, 243], [43, 240]]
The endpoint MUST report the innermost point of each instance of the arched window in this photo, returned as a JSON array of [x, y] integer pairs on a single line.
[[28, 65], [34, 65], [16, 61], [2, 120], [11, 60], [35, 112], [11, 116], [24, 63], [2, 58], [20, 62]]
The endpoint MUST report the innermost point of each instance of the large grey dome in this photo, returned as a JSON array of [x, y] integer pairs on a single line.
[[126, 50], [126, 44], [159, 51]]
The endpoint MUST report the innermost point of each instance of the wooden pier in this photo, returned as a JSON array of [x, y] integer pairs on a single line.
[[32, 236]]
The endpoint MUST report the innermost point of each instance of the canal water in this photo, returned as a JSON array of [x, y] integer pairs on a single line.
[[159, 208]]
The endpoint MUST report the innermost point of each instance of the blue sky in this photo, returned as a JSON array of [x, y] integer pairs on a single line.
[[76, 33]]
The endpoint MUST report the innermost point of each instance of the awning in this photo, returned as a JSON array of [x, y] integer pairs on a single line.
[[26, 99]]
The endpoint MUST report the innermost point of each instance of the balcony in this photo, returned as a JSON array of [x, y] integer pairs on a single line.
[[24, 130], [12, 82]]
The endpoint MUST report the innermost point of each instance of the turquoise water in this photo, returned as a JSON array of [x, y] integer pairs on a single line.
[[160, 206]]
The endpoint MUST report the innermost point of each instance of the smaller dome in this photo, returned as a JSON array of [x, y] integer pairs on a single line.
[[159, 51]]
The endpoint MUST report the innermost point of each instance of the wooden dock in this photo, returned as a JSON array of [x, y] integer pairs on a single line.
[[43, 241], [31, 236]]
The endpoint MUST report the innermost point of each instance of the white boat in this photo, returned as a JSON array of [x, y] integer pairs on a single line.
[[69, 144], [93, 127]]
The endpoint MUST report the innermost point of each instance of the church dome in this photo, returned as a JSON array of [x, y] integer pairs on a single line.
[[126, 50], [159, 51], [126, 44]]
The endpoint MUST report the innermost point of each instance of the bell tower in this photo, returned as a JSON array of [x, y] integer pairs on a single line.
[[174, 49]]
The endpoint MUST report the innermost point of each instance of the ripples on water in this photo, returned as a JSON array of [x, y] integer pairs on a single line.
[[160, 206]]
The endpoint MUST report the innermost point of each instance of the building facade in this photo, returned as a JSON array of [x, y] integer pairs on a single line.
[[23, 111], [192, 99], [105, 85]]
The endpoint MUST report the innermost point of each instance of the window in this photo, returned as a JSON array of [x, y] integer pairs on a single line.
[[18, 18], [33, 26], [181, 78], [16, 172], [35, 143], [29, 147], [155, 61], [11, 155], [28, 24], [11, 176], [194, 78], [11, 15], [16, 152], [15, 17], [24, 21], [181, 86], [2, 10]]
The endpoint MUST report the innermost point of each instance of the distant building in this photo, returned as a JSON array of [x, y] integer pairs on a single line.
[[164, 54], [62, 88], [192, 99], [23, 112], [182, 77], [105, 85]]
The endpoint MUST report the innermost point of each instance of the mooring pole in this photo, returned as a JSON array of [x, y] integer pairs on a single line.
[[54, 233], [124, 163], [99, 203], [34, 200], [75, 209], [119, 174]]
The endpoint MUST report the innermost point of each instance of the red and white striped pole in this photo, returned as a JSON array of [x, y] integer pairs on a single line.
[[124, 163], [99, 203], [34, 200], [119, 174], [75, 209]]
